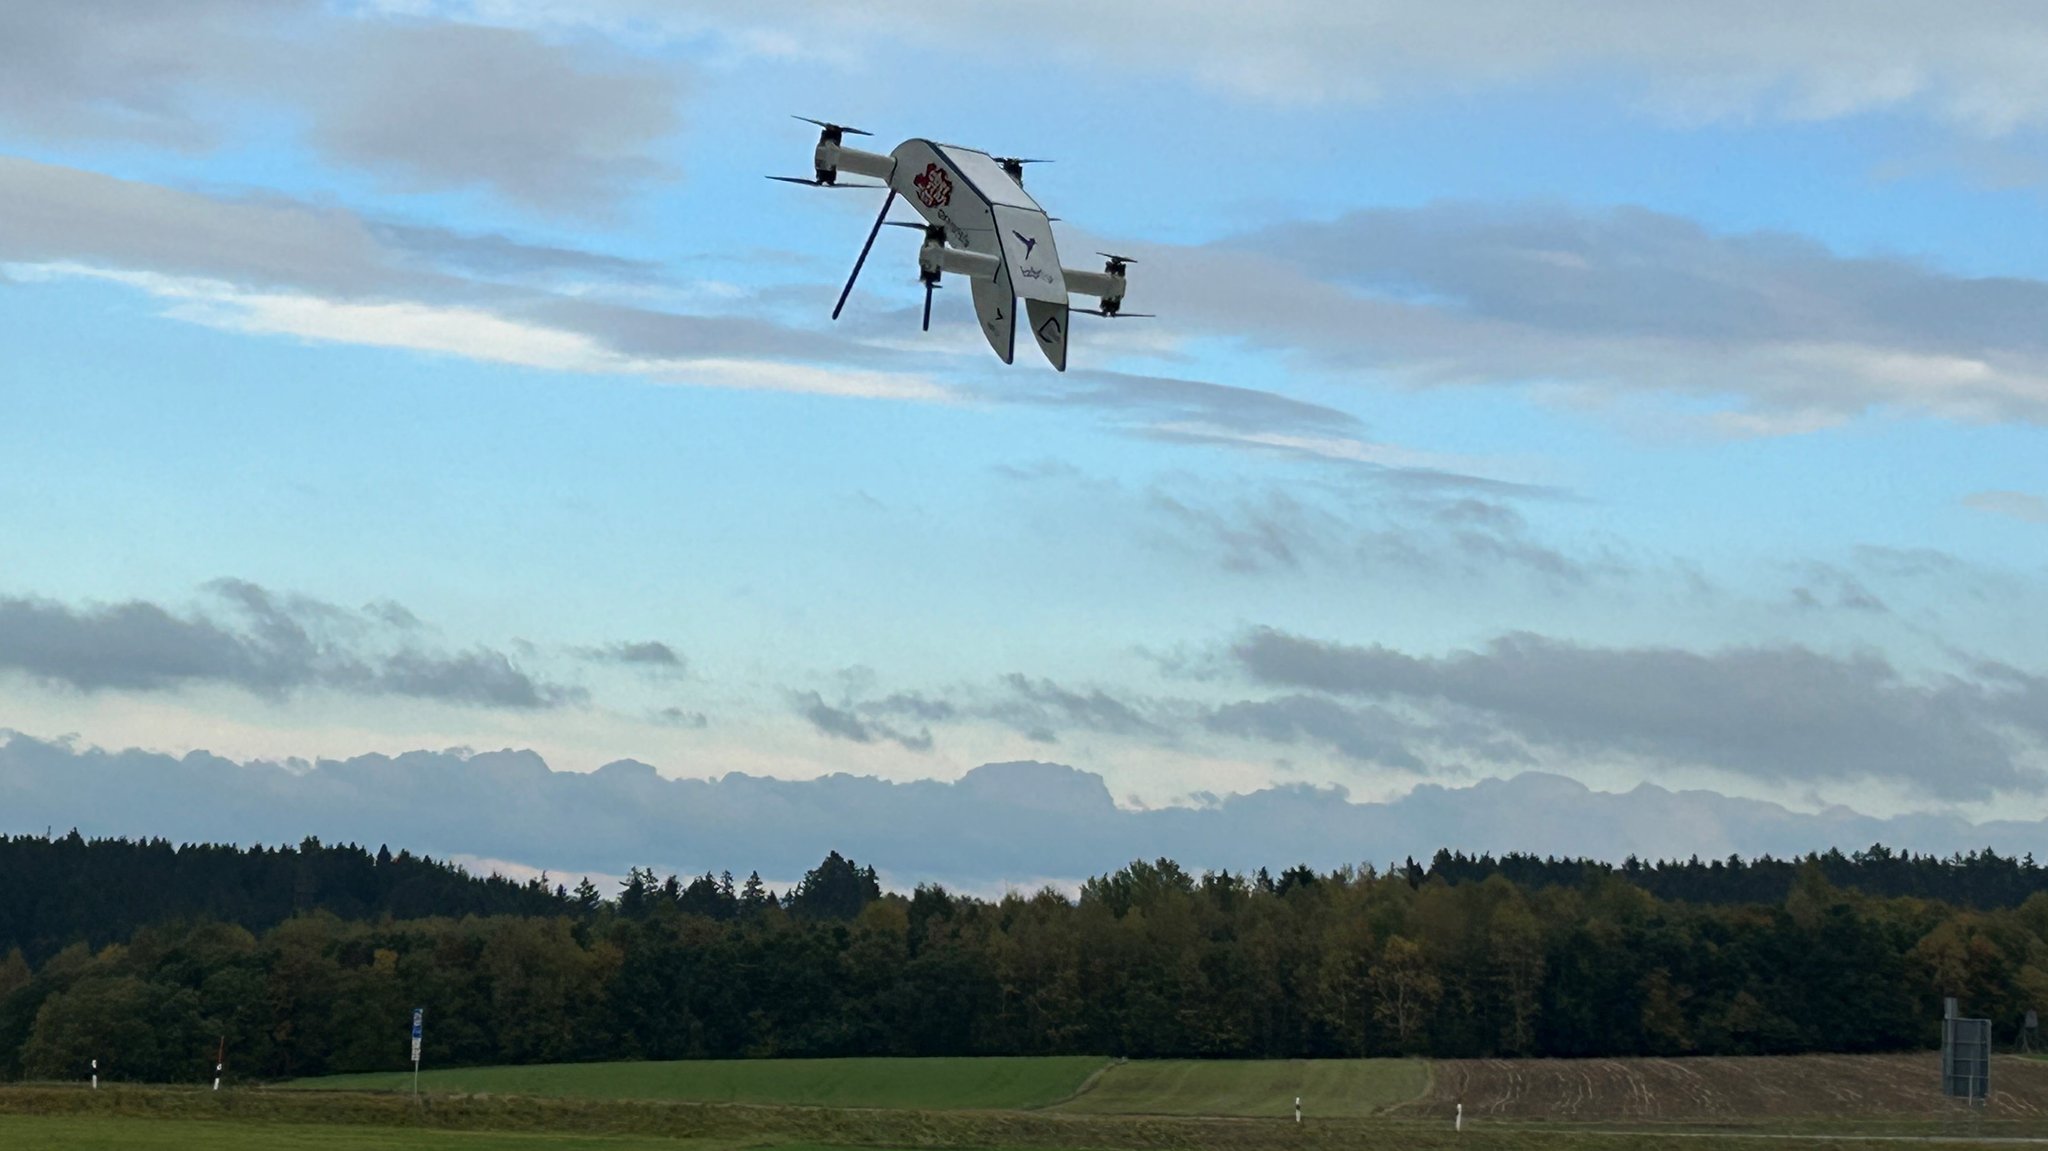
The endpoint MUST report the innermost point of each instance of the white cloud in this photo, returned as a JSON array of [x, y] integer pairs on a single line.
[[2018, 505], [437, 106], [1340, 448], [473, 333], [113, 68], [1981, 67], [1773, 332], [560, 126]]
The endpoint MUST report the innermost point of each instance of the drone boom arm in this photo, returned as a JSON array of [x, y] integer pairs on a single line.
[[1101, 285], [961, 262], [840, 158]]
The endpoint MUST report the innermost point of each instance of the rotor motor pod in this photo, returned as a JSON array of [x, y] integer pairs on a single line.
[[931, 258]]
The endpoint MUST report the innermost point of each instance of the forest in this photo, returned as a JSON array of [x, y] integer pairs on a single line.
[[310, 960]]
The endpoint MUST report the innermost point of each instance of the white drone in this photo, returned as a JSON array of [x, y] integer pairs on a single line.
[[980, 223]]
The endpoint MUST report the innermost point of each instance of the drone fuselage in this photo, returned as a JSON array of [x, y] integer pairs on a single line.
[[987, 228], [1004, 240]]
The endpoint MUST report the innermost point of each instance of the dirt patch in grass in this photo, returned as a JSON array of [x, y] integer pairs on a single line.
[[1720, 1090]]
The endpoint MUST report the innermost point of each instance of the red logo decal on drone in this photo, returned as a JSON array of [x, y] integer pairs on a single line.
[[934, 188]]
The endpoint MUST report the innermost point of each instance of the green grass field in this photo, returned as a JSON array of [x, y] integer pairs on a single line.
[[919, 1084], [101, 1132], [104, 1133], [1870, 1103], [1327, 1087]]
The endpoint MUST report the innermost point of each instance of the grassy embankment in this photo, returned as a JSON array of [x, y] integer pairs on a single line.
[[992, 1084]]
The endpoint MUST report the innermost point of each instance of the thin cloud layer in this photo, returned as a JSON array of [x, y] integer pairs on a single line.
[[1624, 302], [1782, 714], [857, 722], [274, 267], [1380, 521], [50, 214], [1368, 735], [1038, 708], [426, 105], [646, 653], [440, 106], [2018, 505], [112, 68], [1976, 67], [261, 642]]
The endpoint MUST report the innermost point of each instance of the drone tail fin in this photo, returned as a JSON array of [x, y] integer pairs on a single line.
[[995, 303], [1049, 328]]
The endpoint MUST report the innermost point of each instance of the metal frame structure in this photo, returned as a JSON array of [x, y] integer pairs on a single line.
[[1965, 1055]]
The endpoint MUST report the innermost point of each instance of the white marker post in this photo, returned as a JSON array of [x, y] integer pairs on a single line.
[[1297, 1108], [220, 1060], [1458, 1124], [419, 1014], [95, 1075]]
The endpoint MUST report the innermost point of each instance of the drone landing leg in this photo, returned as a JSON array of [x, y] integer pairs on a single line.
[[888, 201]]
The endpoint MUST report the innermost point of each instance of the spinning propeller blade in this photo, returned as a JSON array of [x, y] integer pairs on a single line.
[[1117, 258], [813, 183], [928, 227], [831, 127], [928, 287], [1013, 166], [1118, 315], [888, 202]]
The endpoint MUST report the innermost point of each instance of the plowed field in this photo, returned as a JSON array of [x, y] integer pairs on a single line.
[[1719, 1089], [1252, 1088]]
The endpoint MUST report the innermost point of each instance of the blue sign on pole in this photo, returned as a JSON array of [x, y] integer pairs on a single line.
[[419, 1014]]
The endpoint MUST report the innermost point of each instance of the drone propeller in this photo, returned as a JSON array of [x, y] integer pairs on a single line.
[[930, 286], [1013, 166], [1117, 258], [817, 183], [929, 227], [1108, 315], [831, 127]]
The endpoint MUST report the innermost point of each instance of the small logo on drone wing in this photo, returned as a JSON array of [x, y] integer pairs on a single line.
[[1029, 242], [1049, 331], [934, 187]]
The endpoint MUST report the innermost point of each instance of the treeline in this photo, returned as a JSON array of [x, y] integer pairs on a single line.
[[1150, 961], [1981, 879], [58, 891]]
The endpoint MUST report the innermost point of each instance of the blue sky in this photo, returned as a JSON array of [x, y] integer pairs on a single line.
[[1636, 395]]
